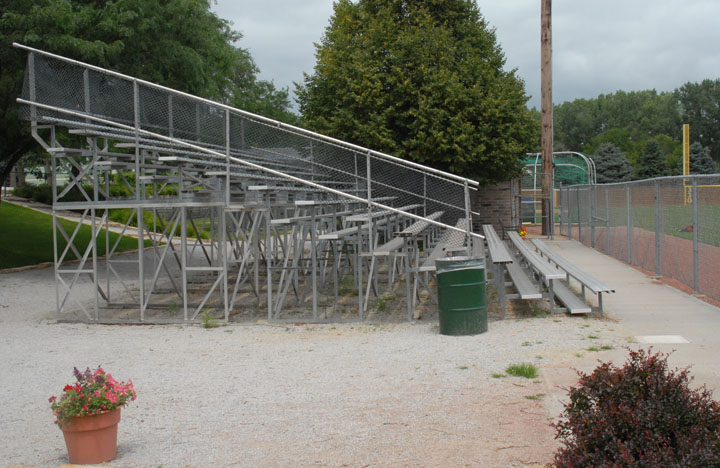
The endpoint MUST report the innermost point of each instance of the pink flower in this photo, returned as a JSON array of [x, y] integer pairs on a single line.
[[52, 399]]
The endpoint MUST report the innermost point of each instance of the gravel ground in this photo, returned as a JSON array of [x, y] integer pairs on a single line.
[[359, 395]]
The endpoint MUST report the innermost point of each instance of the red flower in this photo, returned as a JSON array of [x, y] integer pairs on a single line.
[[67, 388]]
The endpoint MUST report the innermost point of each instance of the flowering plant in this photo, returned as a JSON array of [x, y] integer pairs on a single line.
[[522, 232], [94, 392]]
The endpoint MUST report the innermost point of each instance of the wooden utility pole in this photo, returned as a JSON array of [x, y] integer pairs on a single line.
[[547, 115]]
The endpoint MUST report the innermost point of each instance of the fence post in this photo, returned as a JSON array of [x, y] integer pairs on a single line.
[[628, 224], [569, 214], [657, 227], [607, 220], [561, 204], [592, 216], [579, 215], [695, 237]]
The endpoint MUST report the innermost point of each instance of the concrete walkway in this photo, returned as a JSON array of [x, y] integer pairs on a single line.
[[654, 314]]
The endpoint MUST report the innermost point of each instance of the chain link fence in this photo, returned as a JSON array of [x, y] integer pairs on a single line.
[[72, 94], [670, 225]]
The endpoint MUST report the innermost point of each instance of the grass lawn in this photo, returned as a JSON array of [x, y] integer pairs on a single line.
[[26, 237]]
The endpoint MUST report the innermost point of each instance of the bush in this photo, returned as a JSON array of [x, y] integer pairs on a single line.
[[639, 415], [23, 191], [42, 194]]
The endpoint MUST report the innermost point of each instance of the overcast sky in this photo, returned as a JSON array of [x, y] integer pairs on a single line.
[[598, 47]]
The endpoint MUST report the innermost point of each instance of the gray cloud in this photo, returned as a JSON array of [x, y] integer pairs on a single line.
[[598, 47]]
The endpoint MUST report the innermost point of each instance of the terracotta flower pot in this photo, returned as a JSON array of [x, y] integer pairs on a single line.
[[92, 439]]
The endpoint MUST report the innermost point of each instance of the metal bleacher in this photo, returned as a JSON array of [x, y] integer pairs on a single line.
[[235, 214]]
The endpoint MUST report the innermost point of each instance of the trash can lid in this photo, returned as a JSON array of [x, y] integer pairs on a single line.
[[458, 263]]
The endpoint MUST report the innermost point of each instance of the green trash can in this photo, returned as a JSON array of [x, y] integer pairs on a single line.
[[461, 295]]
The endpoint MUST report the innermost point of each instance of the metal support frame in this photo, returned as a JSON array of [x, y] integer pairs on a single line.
[[205, 237]]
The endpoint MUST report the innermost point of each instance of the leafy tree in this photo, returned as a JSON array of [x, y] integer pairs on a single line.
[[700, 161], [639, 114], [421, 80], [651, 164], [180, 44], [612, 165], [619, 137], [700, 107]]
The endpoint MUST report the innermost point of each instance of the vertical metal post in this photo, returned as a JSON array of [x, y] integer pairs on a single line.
[[369, 197], [312, 162], [93, 238], [224, 253], [696, 247], [86, 91], [592, 212], [408, 291], [607, 220], [313, 259], [628, 220], [140, 213], [170, 116], [227, 154], [55, 259], [268, 255], [569, 214], [468, 217], [563, 202], [183, 260], [31, 83], [551, 214], [425, 195], [358, 269], [657, 227], [370, 234], [141, 260], [579, 213]]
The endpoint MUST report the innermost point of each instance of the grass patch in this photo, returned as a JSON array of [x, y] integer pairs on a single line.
[[601, 348], [26, 237], [498, 375], [527, 370], [537, 396]]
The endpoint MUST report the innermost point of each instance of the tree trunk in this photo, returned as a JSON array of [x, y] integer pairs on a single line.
[[12, 160]]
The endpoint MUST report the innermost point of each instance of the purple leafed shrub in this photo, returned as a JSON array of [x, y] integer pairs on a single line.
[[639, 415]]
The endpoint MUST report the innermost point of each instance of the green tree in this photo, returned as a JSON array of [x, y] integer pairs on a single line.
[[180, 44], [421, 80], [700, 161], [700, 107], [612, 165], [651, 164], [626, 119]]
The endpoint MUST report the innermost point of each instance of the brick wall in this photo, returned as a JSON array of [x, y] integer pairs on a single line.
[[495, 204]]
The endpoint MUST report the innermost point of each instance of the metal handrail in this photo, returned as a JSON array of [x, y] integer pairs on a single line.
[[246, 163]]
